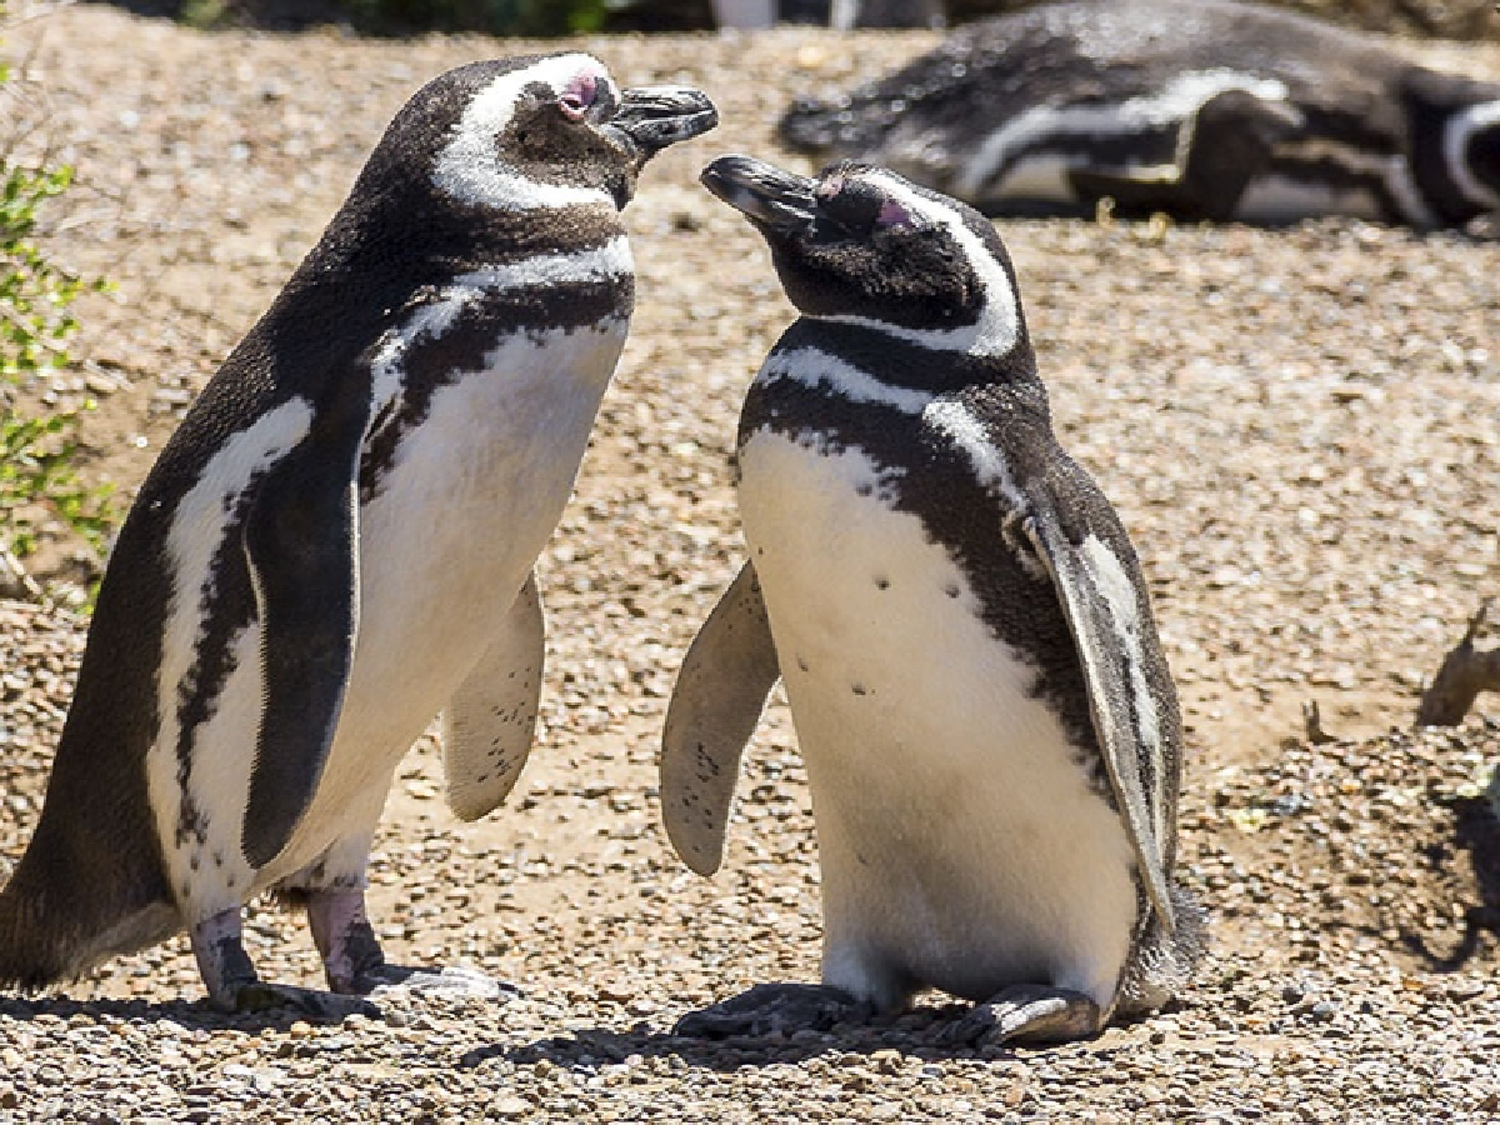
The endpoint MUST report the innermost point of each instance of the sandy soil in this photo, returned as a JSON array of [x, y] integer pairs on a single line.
[[1299, 428]]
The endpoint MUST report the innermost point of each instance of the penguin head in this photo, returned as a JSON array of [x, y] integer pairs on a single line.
[[1454, 127], [861, 244], [1474, 140], [536, 131]]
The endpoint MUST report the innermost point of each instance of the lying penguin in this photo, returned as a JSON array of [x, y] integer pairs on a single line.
[[337, 543], [1207, 110], [990, 729]]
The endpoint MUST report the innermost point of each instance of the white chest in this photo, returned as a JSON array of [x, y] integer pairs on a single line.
[[960, 842], [466, 502], [470, 501]]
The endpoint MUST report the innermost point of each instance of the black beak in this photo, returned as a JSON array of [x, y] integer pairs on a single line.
[[767, 195], [653, 117]]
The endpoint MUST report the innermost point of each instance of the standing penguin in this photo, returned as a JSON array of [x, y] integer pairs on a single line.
[[990, 729], [1214, 109], [337, 543]]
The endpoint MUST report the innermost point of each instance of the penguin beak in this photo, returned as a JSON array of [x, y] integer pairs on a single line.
[[652, 117], [768, 196]]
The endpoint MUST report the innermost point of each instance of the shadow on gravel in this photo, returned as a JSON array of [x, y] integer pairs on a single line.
[[191, 1014], [914, 1033], [1477, 832]]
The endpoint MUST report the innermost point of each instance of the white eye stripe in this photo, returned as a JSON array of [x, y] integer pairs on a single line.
[[999, 325], [1460, 129], [466, 168]]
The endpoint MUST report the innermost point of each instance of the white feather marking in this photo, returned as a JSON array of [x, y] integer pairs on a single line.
[[1456, 138], [999, 323], [813, 367], [958, 422], [1404, 191], [598, 263], [1118, 591], [1177, 101], [430, 320], [468, 168], [196, 535]]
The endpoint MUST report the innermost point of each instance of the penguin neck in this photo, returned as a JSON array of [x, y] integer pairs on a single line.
[[424, 242], [901, 358], [991, 337]]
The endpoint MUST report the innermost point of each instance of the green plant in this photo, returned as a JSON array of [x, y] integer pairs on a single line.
[[37, 447]]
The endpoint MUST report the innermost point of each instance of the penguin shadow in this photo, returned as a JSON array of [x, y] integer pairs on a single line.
[[191, 1014], [917, 1033], [1476, 830]]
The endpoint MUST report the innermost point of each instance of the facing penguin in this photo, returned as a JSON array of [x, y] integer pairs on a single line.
[[337, 542], [1211, 110], [990, 729]]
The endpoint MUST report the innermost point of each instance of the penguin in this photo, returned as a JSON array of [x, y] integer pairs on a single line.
[[337, 542], [990, 729], [1215, 110]]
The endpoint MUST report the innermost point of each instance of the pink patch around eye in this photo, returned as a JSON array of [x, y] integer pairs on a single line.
[[892, 214], [579, 95]]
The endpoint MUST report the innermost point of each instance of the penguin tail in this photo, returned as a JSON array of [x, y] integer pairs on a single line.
[[58, 920], [1164, 960], [27, 963]]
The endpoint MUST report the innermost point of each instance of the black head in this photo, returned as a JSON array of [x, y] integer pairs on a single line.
[[1473, 144], [537, 131], [1454, 125], [862, 244]]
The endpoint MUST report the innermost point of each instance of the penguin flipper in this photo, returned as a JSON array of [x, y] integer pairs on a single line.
[[301, 545], [1118, 649], [490, 720], [721, 690], [1227, 144]]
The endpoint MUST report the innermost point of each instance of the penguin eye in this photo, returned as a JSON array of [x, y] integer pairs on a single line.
[[861, 208]]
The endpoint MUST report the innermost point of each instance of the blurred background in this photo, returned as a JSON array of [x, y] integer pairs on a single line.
[[1454, 19]]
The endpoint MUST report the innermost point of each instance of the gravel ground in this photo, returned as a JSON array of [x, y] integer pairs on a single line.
[[1299, 428]]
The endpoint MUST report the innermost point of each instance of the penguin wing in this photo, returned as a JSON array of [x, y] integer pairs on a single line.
[[721, 690], [1099, 587], [301, 545], [489, 723]]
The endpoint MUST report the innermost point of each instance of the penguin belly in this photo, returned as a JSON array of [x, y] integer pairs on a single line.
[[454, 526], [962, 844], [475, 493]]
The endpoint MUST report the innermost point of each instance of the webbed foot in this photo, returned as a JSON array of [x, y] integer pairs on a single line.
[[234, 986], [769, 1009], [354, 962], [1028, 1013], [329, 1007]]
